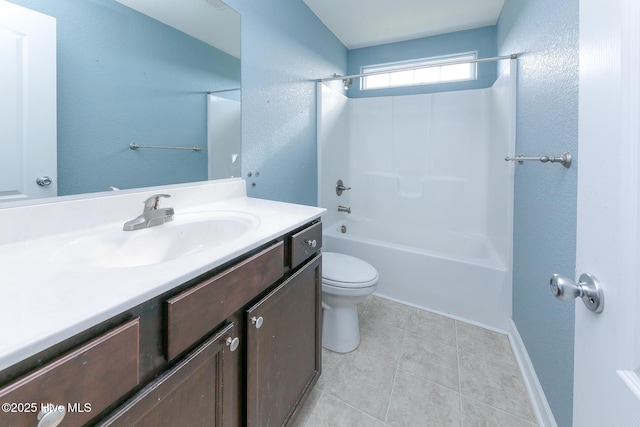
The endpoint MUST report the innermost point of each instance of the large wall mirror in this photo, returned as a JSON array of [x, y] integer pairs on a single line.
[[146, 72]]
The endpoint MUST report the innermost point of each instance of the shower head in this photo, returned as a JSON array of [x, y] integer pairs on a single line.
[[347, 83]]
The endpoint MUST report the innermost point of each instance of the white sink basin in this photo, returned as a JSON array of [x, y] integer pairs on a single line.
[[186, 235]]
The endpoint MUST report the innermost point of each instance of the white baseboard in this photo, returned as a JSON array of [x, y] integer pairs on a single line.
[[538, 399]]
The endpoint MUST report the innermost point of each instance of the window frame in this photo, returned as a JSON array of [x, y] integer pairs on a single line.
[[419, 64]]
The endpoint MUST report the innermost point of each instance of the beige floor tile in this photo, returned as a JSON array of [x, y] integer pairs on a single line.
[[497, 385], [476, 414], [387, 311], [330, 362], [332, 412], [417, 368], [307, 408], [418, 402], [433, 361], [380, 340], [363, 382], [433, 327], [483, 342]]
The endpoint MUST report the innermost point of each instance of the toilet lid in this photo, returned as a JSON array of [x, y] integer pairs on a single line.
[[345, 270]]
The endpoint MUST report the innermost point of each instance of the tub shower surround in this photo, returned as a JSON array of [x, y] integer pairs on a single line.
[[431, 198]]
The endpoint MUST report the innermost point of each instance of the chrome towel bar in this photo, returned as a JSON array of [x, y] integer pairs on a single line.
[[564, 159], [135, 146]]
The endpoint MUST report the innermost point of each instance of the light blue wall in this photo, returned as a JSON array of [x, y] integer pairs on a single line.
[[122, 78], [545, 34], [482, 40], [284, 48]]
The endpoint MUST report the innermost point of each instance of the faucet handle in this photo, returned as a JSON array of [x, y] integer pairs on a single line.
[[152, 202], [340, 187]]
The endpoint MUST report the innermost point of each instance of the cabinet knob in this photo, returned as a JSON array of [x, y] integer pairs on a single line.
[[311, 243], [51, 415], [233, 343], [257, 321]]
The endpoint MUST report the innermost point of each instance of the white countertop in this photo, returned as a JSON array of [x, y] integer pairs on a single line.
[[44, 303]]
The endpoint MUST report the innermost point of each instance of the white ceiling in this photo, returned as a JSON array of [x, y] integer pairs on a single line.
[[210, 21], [362, 23]]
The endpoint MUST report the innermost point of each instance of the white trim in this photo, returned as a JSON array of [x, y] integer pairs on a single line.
[[541, 407]]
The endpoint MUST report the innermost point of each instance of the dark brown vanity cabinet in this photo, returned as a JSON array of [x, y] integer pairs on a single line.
[[283, 347], [240, 345], [192, 393], [76, 385]]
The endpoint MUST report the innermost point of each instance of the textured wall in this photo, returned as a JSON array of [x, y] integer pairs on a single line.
[[285, 48], [545, 33], [122, 78], [482, 40]]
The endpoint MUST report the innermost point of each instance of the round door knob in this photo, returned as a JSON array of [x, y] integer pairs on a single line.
[[43, 181], [51, 415], [313, 243], [257, 321], [588, 288], [233, 343]]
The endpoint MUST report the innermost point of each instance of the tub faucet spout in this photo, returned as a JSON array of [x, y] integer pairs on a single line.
[[344, 209]]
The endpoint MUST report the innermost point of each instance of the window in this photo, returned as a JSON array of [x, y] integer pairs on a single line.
[[420, 72]]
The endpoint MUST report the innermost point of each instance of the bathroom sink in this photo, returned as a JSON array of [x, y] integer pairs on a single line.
[[188, 234]]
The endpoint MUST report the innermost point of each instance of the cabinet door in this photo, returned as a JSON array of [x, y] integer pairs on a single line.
[[190, 394], [284, 348]]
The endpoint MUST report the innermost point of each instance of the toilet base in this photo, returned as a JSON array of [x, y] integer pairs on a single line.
[[340, 328]]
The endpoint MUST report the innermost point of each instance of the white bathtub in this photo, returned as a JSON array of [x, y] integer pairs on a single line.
[[449, 273]]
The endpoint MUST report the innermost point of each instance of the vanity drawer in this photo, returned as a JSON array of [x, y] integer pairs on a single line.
[[305, 244], [85, 381], [194, 313]]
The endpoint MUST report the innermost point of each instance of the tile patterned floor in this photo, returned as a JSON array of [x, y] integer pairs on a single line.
[[416, 368]]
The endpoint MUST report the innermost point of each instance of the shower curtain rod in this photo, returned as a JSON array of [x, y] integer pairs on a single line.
[[465, 61]]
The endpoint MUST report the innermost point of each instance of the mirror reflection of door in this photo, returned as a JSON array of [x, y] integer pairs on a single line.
[[28, 151], [223, 134]]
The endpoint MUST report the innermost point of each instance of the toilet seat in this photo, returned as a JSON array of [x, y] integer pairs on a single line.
[[345, 271]]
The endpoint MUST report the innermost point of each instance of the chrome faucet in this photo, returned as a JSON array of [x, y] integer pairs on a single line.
[[344, 209], [151, 214]]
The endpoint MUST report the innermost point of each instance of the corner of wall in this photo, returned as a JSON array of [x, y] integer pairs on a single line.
[[541, 407]]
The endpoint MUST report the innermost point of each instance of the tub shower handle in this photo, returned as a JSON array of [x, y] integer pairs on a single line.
[[340, 187], [588, 288]]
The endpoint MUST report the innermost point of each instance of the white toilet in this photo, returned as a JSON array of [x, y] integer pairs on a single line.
[[346, 281]]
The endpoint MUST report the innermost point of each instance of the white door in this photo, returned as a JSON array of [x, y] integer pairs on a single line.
[[28, 151], [607, 345]]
